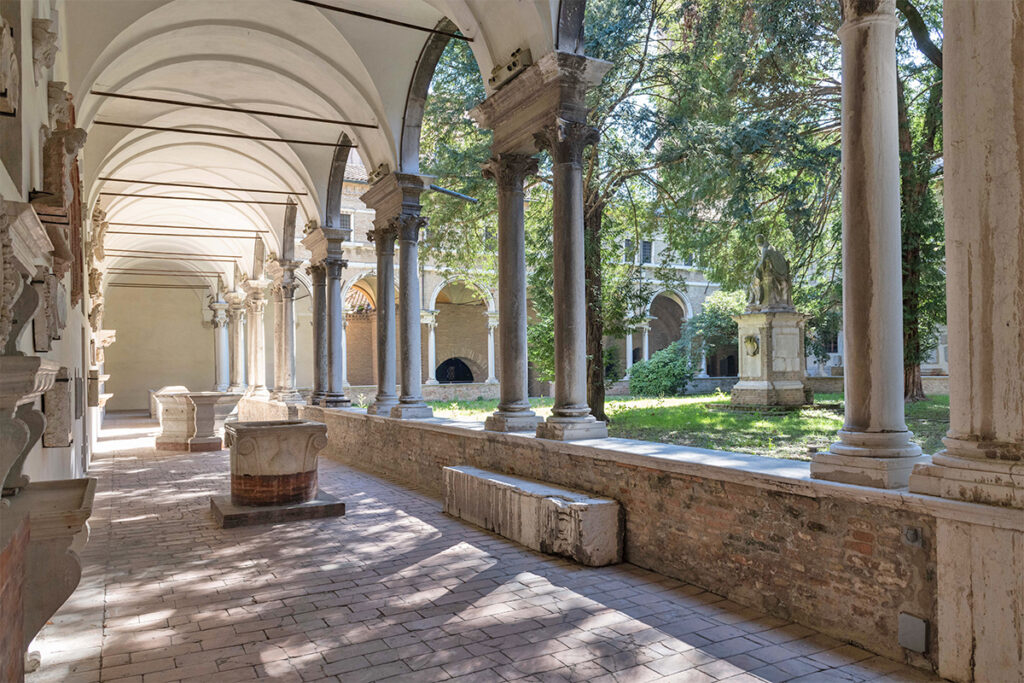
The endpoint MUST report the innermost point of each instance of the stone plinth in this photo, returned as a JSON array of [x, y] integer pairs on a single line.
[[274, 463], [154, 405], [177, 424], [210, 410], [552, 520], [772, 362]]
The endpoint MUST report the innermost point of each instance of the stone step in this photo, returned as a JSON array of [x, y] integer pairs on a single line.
[[552, 520]]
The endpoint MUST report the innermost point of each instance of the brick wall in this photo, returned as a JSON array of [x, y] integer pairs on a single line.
[[829, 556], [12, 580], [462, 333]]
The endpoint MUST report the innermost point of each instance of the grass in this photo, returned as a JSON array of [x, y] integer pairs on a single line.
[[693, 421]]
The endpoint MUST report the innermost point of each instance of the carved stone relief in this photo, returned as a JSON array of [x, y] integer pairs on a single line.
[[10, 73], [44, 46], [58, 412]]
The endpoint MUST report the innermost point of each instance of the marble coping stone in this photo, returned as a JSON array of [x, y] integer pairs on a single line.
[[552, 520]]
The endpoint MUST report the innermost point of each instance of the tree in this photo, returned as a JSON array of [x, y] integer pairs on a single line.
[[713, 328]]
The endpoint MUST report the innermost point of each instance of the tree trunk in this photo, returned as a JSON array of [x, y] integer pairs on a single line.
[[912, 188], [595, 314]]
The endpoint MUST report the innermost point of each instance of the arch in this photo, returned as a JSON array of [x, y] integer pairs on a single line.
[[455, 370], [680, 298], [336, 183], [485, 294], [416, 97]]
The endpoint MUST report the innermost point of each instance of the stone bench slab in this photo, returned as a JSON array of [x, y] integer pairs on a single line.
[[552, 520]]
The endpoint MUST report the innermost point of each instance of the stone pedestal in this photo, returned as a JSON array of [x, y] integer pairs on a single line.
[[274, 474], [772, 361], [210, 410], [177, 424], [274, 463]]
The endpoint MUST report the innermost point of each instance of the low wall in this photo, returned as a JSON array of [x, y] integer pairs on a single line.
[[698, 385], [933, 384], [756, 530], [364, 395]]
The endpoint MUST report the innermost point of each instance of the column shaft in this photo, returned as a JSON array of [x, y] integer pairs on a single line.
[[284, 335], [257, 372], [318, 275], [236, 340], [335, 396], [384, 241], [646, 342], [874, 447], [411, 403], [222, 358], [513, 413], [629, 351], [570, 416], [430, 318], [491, 324]]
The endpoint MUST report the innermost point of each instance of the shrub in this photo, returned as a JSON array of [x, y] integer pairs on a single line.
[[666, 373]]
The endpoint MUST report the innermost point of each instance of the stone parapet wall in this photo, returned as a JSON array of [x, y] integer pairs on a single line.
[[698, 385], [756, 530], [363, 395]]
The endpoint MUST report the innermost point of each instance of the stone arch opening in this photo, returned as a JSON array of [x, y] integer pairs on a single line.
[[668, 314], [454, 371]]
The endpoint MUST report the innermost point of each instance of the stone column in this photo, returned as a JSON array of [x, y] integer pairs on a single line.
[[410, 403], [645, 343], [318, 274], [629, 351], [284, 334], [383, 238], [513, 413], [220, 339], [874, 447], [703, 362], [255, 304], [344, 348], [430, 320], [335, 397], [236, 340], [570, 415], [492, 322]]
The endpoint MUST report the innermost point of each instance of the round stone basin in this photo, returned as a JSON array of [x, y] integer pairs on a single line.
[[274, 462]]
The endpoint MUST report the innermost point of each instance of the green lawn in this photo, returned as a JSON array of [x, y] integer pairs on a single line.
[[693, 421]]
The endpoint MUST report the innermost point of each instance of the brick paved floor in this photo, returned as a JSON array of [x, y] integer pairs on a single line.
[[395, 590]]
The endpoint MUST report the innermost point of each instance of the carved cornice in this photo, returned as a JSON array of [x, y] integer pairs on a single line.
[[510, 170], [566, 140]]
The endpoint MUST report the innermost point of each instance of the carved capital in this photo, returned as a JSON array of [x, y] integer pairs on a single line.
[[566, 140], [510, 170], [256, 305], [318, 273], [384, 235], [408, 226], [334, 266]]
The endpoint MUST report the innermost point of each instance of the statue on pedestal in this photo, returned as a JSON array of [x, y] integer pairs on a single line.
[[771, 288]]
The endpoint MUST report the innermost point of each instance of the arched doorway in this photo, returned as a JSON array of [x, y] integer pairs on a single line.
[[454, 371], [667, 316]]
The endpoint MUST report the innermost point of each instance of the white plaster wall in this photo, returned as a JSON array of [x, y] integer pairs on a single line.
[[162, 339]]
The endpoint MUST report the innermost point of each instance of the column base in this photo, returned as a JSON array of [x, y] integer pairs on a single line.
[[491, 380], [990, 482], [877, 459], [572, 428], [288, 397], [335, 401], [200, 444], [412, 411], [316, 399], [382, 405], [525, 421], [431, 382], [236, 389], [260, 394]]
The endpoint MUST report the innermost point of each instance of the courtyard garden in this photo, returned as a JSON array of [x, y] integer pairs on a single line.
[[704, 421]]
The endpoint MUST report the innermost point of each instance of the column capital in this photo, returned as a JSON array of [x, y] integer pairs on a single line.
[[428, 317], [510, 170], [333, 265], [220, 313], [492, 319], [318, 273], [407, 226], [566, 140], [384, 235]]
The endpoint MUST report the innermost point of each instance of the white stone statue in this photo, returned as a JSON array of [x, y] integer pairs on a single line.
[[770, 287]]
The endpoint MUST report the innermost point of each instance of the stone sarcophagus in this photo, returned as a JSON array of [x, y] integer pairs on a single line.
[[274, 463]]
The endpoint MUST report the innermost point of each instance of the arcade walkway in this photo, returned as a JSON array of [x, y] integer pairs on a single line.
[[394, 589]]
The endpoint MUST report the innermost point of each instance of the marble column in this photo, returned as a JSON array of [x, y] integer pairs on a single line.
[[335, 397], [570, 415], [344, 348], [236, 340], [220, 339], [629, 352], [318, 275], [430, 320], [874, 447], [383, 238], [492, 323], [410, 403], [284, 334], [645, 343], [513, 414], [255, 304], [703, 362]]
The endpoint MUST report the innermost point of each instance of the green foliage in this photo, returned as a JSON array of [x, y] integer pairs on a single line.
[[713, 328], [666, 373]]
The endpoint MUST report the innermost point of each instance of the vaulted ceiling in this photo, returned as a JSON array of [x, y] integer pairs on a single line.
[[281, 56]]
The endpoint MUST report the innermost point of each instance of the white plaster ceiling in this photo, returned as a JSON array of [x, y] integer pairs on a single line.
[[276, 55]]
